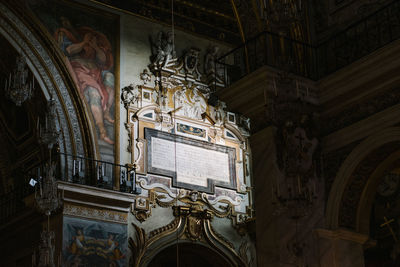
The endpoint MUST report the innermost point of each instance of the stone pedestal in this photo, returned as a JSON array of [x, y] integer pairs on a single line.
[[341, 248]]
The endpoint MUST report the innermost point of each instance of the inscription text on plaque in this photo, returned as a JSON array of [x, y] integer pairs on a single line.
[[192, 163]]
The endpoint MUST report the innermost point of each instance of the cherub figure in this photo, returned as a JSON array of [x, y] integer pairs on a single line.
[[130, 95], [145, 76]]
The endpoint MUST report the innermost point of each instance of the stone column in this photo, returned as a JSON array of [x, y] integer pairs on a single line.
[[263, 156], [341, 248]]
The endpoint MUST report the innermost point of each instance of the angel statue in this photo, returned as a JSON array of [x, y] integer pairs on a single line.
[[210, 60], [165, 49]]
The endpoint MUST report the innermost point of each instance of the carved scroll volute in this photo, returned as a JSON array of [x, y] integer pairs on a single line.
[[138, 247]]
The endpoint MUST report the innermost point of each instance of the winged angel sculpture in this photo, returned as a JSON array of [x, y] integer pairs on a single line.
[[164, 47]]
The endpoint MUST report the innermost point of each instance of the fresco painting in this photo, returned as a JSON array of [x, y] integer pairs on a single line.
[[88, 42], [93, 243]]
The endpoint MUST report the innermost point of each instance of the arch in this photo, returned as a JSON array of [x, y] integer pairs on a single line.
[[368, 195], [188, 254], [49, 70], [235, 131], [192, 226], [344, 175]]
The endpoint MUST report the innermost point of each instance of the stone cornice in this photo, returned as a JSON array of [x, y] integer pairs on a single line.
[[95, 197], [342, 234], [360, 80], [361, 129]]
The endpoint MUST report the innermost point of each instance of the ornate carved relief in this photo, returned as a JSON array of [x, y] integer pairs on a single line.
[[174, 98], [222, 206], [130, 95], [95, 213], [360, 111], [298, 156], [193, 224], [164, 49], [352, 194]]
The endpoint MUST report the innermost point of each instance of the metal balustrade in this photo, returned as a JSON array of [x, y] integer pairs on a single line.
[[100, 174], [81, 170], [312, 61]]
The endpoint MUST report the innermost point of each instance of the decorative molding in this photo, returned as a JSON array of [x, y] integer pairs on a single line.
[[357, 182], [95, 213], [386, 139], [192, 224], [342, 234], [161, 195], [230, 152], [96, 197], [360, 111], [332, 162]]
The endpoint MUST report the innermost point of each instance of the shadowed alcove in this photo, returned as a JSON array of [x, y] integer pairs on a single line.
[[189, 255]]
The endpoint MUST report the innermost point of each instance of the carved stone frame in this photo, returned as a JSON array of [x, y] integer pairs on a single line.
[[149, 133]]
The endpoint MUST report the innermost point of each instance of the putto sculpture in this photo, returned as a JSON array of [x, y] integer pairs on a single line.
[[130, 95]]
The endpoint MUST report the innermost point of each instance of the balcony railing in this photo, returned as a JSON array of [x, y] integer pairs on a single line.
[[99, 173], [80, 170], [313, 61]]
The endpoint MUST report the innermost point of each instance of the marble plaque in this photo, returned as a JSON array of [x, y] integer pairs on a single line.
[[192, 164]]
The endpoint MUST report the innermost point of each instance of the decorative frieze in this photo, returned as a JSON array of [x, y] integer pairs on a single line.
[[95, 213]]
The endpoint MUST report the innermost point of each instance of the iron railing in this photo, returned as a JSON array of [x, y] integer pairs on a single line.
[[99, 173], [313, 61], [81, 170]]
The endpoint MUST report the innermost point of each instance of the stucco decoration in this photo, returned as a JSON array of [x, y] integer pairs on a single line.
[[172, 100]]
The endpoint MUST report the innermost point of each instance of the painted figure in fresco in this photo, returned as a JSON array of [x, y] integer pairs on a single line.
[[90, 61], [113, 249], [76, 246]]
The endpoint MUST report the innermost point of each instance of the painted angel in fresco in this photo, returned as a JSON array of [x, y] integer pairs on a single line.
[[77, 246], [90, 61], [113, 248]]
